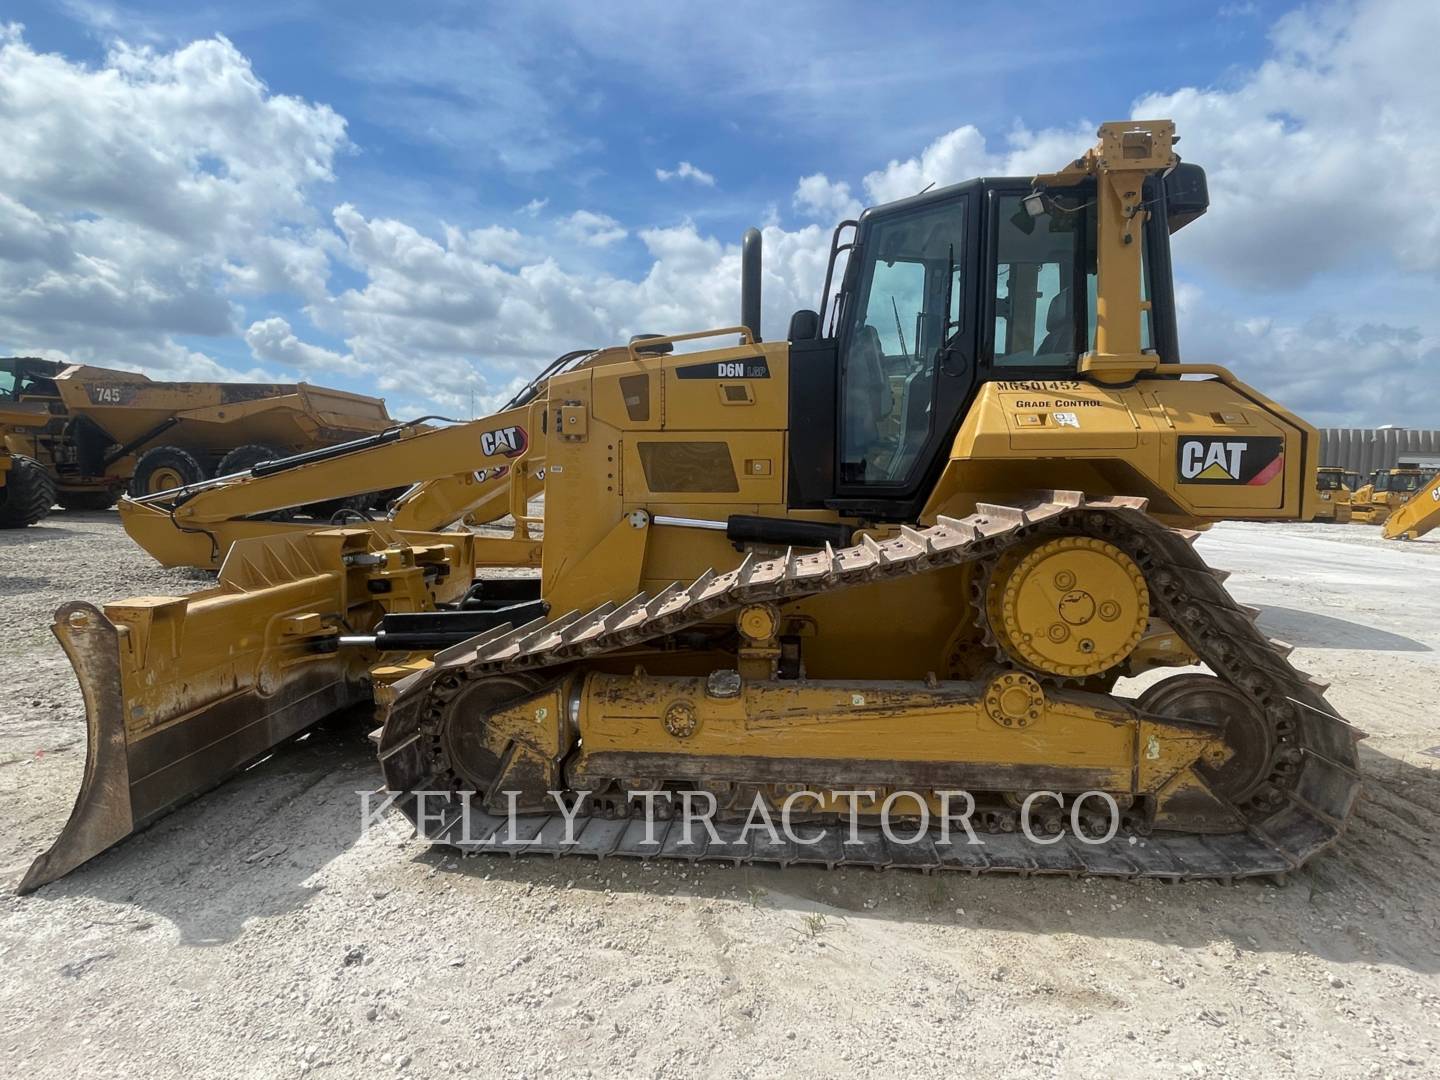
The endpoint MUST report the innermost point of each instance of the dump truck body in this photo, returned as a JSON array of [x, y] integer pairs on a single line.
[[873, 566], [103, 423]]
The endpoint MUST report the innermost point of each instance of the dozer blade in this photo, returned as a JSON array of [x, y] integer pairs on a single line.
[[182, 692], [137, 774]]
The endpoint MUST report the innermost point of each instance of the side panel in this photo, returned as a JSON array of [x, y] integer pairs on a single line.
[[694, 435], [1198, 449]]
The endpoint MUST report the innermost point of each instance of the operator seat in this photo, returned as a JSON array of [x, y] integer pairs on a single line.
[[868, 397], [1059, 326]]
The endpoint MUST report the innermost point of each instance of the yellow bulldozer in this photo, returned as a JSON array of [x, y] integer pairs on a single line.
[[109, 431], [883, 583], [1386, 491], [1334, 504], [27, 492]]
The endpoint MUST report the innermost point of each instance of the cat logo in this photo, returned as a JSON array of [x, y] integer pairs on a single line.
[[481, 475], [507, 442], [1228, 460]]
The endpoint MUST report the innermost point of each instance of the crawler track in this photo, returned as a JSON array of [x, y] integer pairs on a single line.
[[1312, 778]]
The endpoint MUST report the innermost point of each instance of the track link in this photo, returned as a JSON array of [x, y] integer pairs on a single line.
[[1299, 809]]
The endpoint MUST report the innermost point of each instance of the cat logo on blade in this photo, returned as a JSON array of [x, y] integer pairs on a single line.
[[1222, 459], [507, 442]]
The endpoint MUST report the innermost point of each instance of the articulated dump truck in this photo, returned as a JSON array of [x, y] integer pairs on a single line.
[[902, 563], [27, 493], [107, 431]]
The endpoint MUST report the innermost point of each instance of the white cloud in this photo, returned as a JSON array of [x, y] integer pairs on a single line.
[[963, 154], [141, 192], [818, 196], [533, 207], [272, 341], [1327, 156], [436, 319], [686, 171], [592, 229], [1329, 370]]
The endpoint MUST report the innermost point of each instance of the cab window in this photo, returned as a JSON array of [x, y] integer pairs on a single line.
[[1037, 319], [1045, 283]]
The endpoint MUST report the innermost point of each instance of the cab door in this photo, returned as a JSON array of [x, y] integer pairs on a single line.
[[906, 350]]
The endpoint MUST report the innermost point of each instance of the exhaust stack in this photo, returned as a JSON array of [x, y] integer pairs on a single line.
[[750, 255]]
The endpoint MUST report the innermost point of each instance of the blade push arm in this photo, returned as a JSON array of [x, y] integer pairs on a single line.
[[485, 445], [451, 471]]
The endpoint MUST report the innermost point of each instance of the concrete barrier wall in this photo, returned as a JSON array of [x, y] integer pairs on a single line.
[[1364, 450]]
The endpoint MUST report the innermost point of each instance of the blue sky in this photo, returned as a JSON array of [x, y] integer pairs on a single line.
[[430, 200]]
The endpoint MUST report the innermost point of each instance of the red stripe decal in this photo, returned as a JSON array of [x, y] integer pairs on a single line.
[[1269, 472]]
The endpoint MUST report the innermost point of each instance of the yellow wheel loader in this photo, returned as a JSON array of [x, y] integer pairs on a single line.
[[1334, 504], [108, 431], [867, 596], [27, 493]]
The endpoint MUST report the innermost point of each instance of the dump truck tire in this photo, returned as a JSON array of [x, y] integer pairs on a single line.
[[324, 511], [382, 499], [28, 494], [163, 468], [244, 458], [87, 500]]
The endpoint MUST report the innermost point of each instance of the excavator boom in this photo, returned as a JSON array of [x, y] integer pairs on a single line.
[[1417, 516]]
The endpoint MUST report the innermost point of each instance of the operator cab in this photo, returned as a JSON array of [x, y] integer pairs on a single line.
[[941, 292], [28, 378], [1401, 481]]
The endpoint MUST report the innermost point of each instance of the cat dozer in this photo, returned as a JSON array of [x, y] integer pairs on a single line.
[[1387, 491], [902, 563], [1334, 504]]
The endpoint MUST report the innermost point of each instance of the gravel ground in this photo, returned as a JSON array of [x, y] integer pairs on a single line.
[[256, 934]]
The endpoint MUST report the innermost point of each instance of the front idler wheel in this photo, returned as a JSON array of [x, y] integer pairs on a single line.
[[1245, 729]]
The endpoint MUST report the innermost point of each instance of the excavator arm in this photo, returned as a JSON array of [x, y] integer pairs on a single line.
[[1418, 516]]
